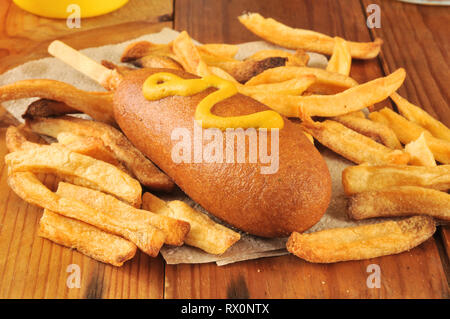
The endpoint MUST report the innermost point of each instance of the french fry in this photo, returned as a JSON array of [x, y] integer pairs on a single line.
[[7, 119], [364, 178], [352, 145], [133, 160], [359, 114], [362, 242], [407, 132], [96, 104], [278, 33], [299, 58], [188, 55], [204, 234], [350, 100], [400, 201], [18, 138], [140, 49], [379, 132], [341, 59], [93, 173], [89, 146], [137, 50], [87, 239], [324, 78], [120, 69], [157, 61], [417, 115], [48, 108], [26, 185], [174, 230], [242, 71], [223, 74], [226, 50], [420, 152], [289, 87], [278, 102]]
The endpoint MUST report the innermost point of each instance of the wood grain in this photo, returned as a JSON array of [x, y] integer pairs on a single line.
[[32, 267], [402, 276], [24, 36], [288, 276], [417, 38]]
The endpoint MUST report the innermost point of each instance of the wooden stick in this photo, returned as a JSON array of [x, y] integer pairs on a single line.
[[104, 76]]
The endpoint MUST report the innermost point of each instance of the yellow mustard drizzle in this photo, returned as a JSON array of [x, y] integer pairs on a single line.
[[164, 84]]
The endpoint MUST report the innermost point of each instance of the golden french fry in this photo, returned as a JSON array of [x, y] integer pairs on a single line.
[[26, 185], [363, 178], [204, 234], [379, 132], [87, 239], [400, 201], [89, 146], [60, 160], [278, 102], [47, 108], [341, 59], [289, 87], [188, 55], [137, 50], [19, 138], [350, 100], [417, 115], [157, 61], [299, 58], [408, 131], [420, 152], [335, 81], [278, 33], [133, 160], [223, 74], [174, 230], [362, 242], [120, 69], [96, 104], [226, 50], [352, 145], [242, 71], [359, 114]]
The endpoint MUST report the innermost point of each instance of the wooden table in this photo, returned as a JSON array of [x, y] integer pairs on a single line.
[[415, 38]]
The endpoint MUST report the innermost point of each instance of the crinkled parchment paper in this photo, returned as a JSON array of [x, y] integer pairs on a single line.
[[249, 247]]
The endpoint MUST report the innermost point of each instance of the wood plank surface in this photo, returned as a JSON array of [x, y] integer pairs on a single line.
[[288, 276], [417, 39], [32, 267], [24, 36]]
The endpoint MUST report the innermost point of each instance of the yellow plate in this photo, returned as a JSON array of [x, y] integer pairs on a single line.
[[58, 8]]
